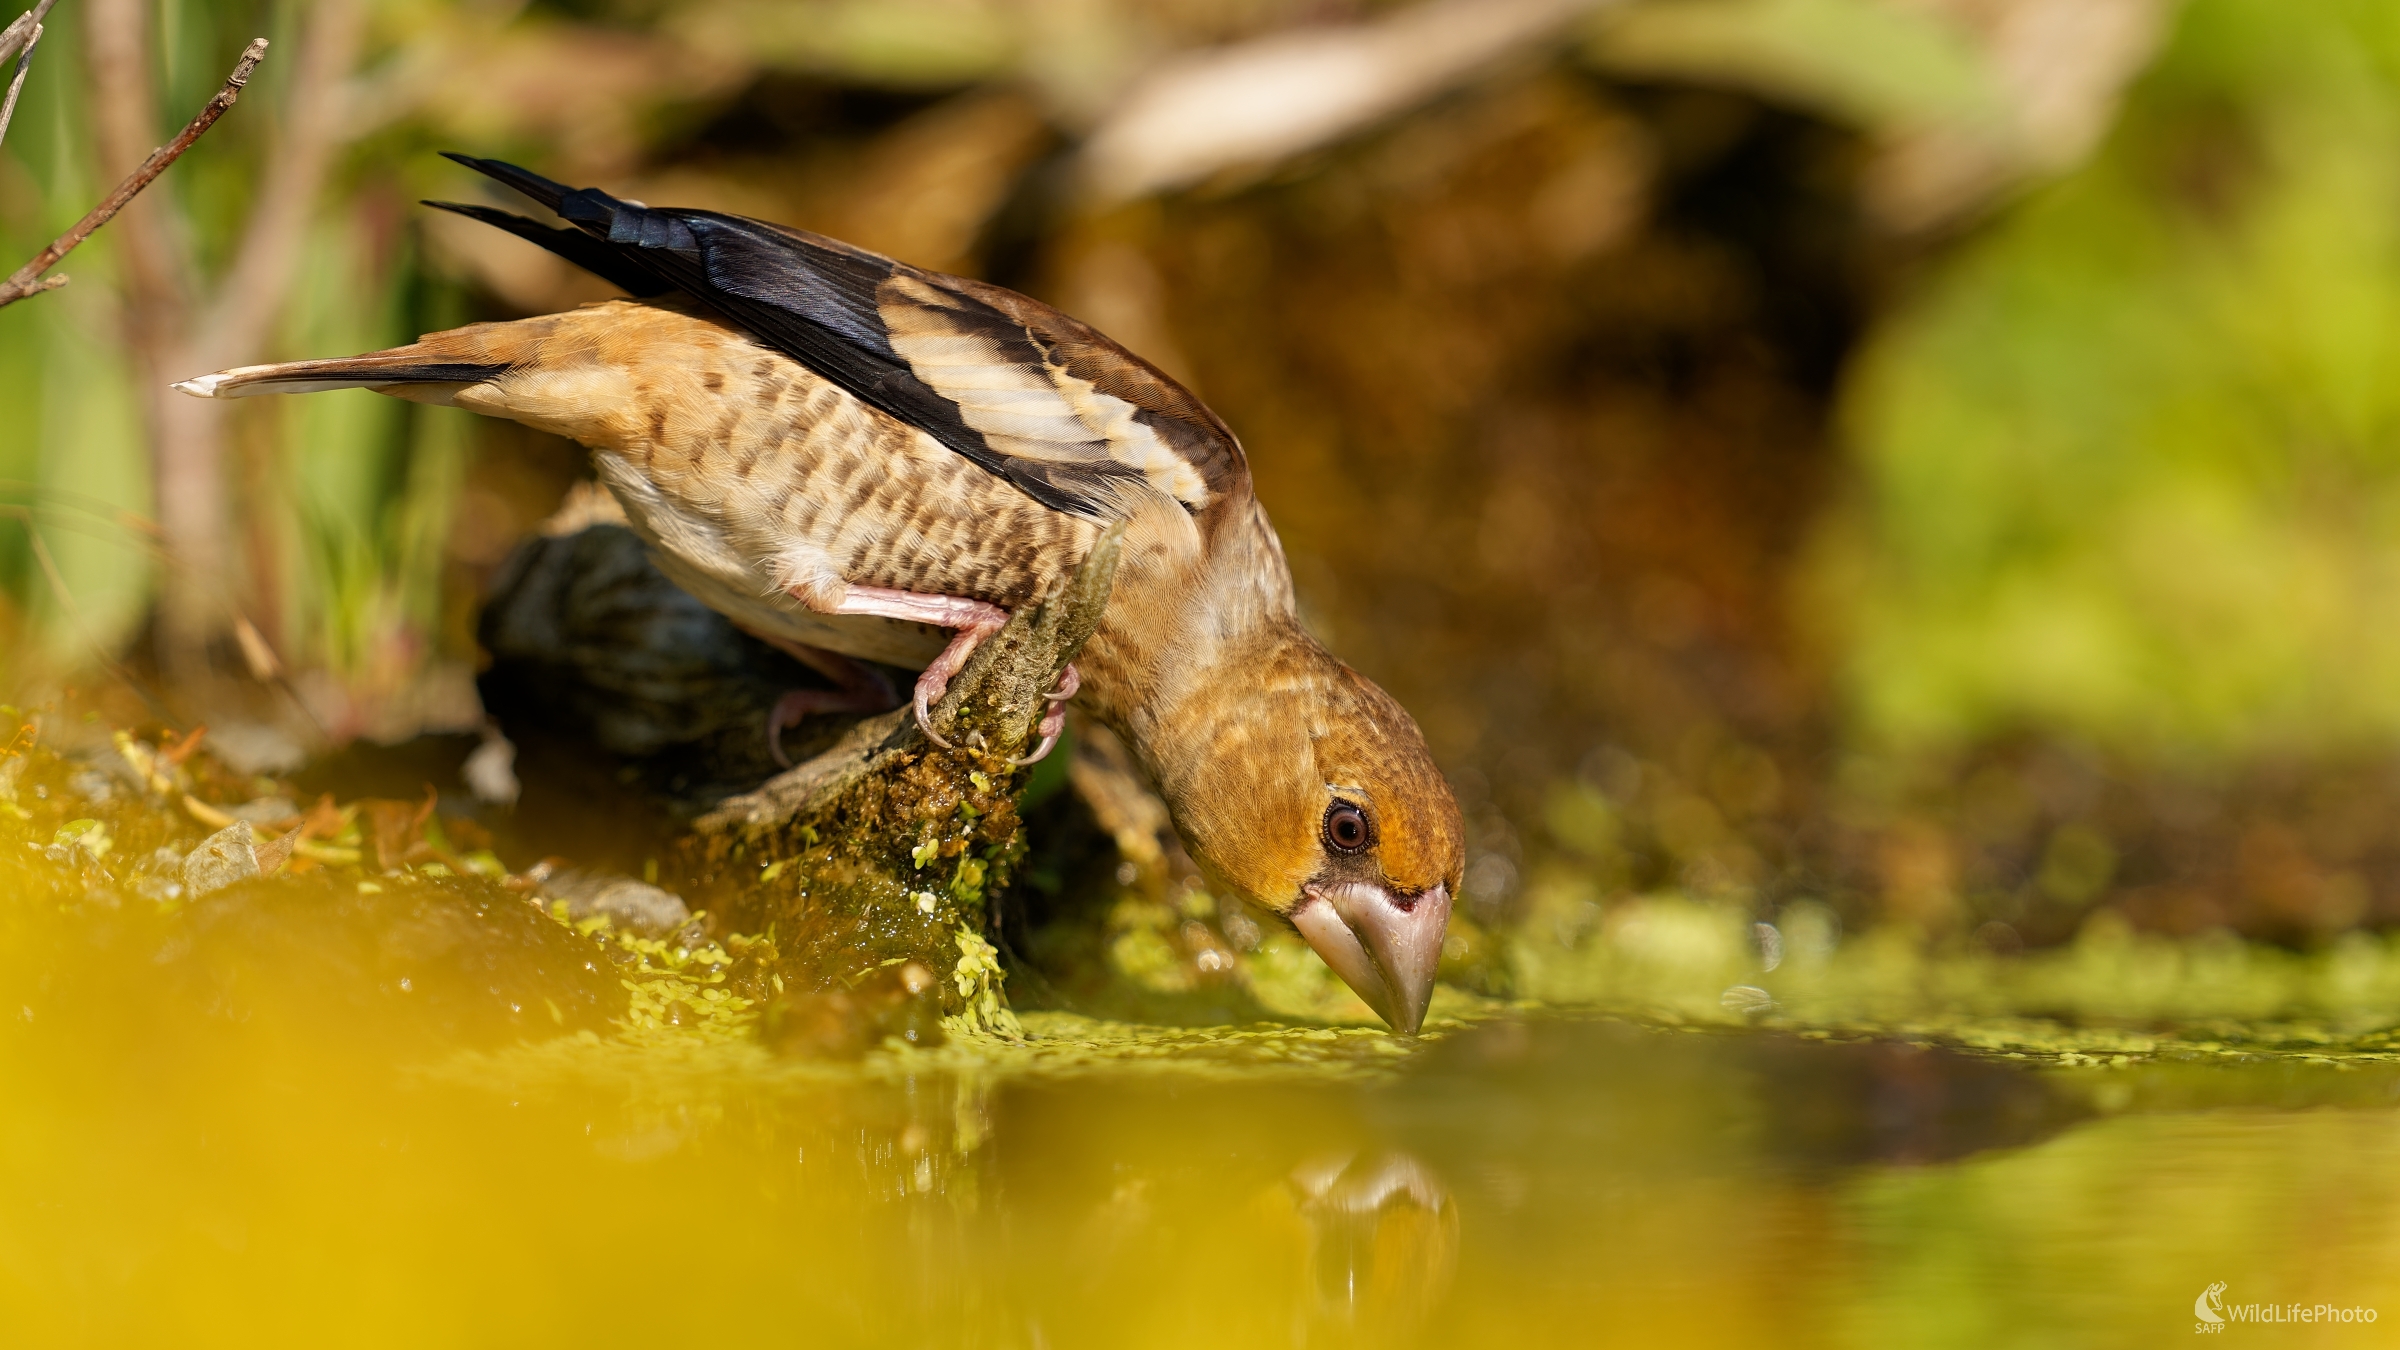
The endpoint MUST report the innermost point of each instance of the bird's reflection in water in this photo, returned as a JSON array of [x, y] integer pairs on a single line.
[[1586, 1155], [1384, 1238]]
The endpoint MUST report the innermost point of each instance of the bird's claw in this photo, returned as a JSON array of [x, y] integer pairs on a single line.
[[934, 680], [787, 712], [795, 706], [857, 687], [1054, 718], [1069, 680], [925, 720], [867, 693]]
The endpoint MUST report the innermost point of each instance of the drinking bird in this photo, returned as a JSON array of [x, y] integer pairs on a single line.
[[848, 455]]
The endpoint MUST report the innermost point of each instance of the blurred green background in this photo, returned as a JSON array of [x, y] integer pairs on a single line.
[[1928, 460]]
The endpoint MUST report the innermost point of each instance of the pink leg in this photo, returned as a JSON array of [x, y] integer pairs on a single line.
[[859, 687], [799, 703], [972, 620]]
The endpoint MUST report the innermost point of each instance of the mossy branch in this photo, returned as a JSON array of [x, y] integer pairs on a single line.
[[989, 711], [883, 851]]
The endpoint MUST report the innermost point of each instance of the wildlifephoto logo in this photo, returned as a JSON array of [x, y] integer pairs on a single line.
[[2214, 1314]]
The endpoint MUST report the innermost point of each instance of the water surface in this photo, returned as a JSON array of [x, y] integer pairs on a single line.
[[167, 1176]]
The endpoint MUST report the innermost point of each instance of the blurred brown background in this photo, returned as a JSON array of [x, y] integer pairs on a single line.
[[1926, 456]]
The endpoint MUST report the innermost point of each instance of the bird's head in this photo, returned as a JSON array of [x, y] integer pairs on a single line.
[[1310, 792]]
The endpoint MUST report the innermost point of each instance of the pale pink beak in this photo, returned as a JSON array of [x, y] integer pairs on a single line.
[[1385, 948]]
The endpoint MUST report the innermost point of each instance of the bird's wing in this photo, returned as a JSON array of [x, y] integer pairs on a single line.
[[1076, 421]]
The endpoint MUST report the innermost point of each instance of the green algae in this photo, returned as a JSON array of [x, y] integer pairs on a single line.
[[683, 1065], [2109, 999], [688, 1007], [82, 834]]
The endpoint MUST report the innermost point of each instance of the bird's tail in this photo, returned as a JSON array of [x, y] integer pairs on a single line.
[[437, 365]]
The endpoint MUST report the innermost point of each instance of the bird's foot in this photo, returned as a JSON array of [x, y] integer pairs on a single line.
[[934, 680], [1054, 718], [970, 622], [799, 703], [858, 687]]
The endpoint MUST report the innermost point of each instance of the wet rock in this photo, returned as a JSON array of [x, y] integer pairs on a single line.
[[443, 961], [228, 856], [594, 649], [232, 854], [588, 637], [627, 903], [491, 769]]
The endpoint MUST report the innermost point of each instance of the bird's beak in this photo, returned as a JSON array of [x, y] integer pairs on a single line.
[[1386, 949]]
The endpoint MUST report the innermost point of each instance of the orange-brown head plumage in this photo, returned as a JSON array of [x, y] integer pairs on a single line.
[[1300, 784]]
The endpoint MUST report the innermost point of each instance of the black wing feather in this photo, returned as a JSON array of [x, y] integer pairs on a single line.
[[809, 297], [526, 182], [613, 266]]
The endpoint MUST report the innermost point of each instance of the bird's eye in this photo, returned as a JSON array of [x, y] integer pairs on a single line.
[[1347, 829]]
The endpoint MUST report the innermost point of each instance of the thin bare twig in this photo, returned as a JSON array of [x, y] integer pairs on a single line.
[[23, 282], [16, 84], [30, 21], [22, 35]]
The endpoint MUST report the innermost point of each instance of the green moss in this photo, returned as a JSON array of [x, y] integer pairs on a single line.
[[82, 847], [2111, 998]]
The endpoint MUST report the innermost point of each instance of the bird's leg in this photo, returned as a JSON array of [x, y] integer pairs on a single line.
[[858, 687], [971, 621]]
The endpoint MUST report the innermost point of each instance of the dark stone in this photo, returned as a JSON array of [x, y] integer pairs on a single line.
[[445, 961], [589, 640]]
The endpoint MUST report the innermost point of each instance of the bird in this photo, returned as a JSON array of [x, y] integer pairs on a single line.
[[866, 461]]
